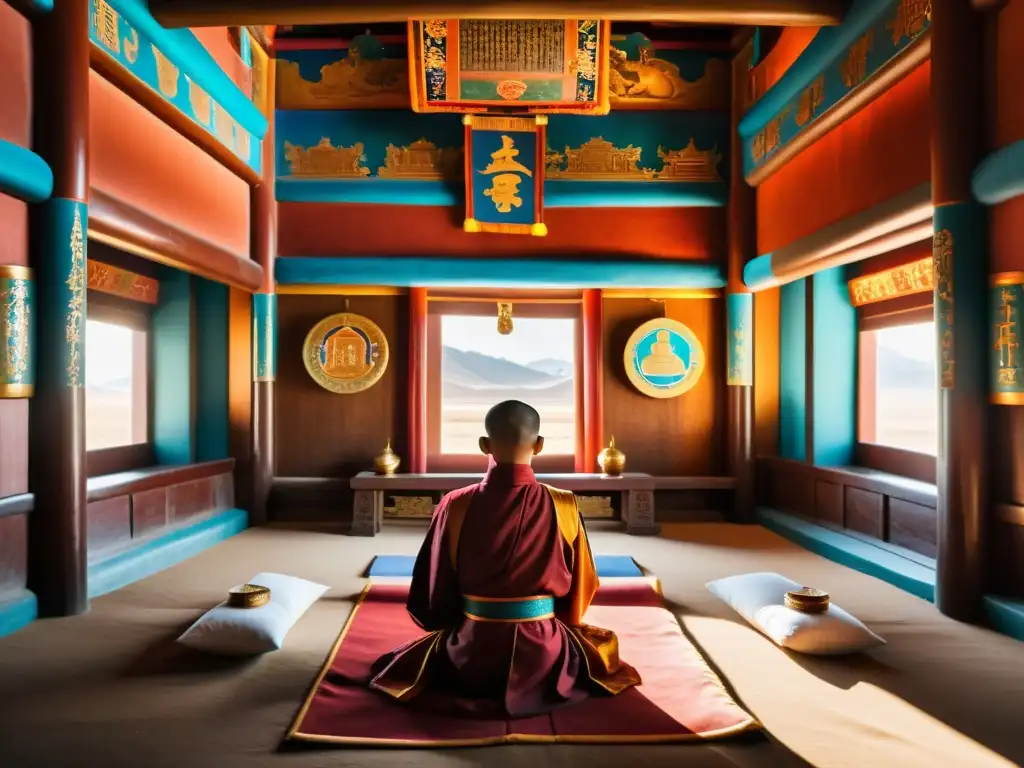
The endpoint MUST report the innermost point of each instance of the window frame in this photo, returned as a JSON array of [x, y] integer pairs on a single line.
[[107, 308], [893, 313], [569, 307]]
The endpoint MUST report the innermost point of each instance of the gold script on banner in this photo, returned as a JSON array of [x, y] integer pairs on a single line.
[[916, 277], [770, 137], [855, 66], [810, 101], [1007, 341], [120, 282], [912, 16]]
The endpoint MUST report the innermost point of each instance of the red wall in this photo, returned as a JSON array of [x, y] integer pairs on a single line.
[[877, 154], [325, 229], [217, 41], [15, 126], [135, 157], [1007, 220]]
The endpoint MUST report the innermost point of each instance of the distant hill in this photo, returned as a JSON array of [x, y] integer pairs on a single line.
[[115, 385], [478, 371], [560, 392], [558, 368], [897, 371]]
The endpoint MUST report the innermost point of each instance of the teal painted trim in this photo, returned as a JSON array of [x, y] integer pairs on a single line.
[[557, 194], [24, 174], [40, 6], [212, 318], [171, 331], [447, 272], [757, 274], [195, 62], [834, 377], [899, 571], [1000, 176], [18, 612], [164, 551], [520, 610], [793, 370], [17, 335], [634, 194], [1006, 364], [739, 311], [1006, 615], [369, 191], [824, 58], [60, 287], [264, 332]]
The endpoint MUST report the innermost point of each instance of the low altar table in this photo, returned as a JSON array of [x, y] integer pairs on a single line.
[[628, 497]]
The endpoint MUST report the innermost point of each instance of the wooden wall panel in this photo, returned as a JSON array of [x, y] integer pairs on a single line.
[[864, 512], [13, 553], [137, 158], [913, 526], [678, 436], [322, 434], [828, 502], [149, 512], [325, 229], [109, 525], [766, 372]]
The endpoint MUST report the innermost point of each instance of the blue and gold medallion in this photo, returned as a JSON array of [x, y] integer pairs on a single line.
[[345, 353], [664, 358]]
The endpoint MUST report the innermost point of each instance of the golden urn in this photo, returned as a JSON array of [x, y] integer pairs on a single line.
[[611, 460], [386, 462]]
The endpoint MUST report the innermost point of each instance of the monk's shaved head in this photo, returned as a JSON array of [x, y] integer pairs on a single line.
[[513, 423]]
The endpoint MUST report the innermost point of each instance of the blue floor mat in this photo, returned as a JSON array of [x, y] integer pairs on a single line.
[[608, 566]]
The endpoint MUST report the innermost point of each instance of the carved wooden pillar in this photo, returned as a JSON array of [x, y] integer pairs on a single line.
[[263, 242], [57, 473], [960, 253], [739, 306]]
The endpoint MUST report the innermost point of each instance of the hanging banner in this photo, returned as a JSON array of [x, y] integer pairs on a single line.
[[537, 66], [505, 174]]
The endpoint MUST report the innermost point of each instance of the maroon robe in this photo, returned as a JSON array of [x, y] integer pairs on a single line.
[[503, 538]]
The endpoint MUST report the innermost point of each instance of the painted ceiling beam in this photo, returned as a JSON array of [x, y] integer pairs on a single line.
[[768, 13]]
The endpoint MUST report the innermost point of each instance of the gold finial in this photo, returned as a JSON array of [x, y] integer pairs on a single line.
[[504, 318], [611, 460]]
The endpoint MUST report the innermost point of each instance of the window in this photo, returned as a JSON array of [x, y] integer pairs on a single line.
[[472, 367], [116, 387], [898, 388]]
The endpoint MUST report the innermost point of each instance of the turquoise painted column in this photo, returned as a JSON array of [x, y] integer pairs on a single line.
[[739, 308], [961, 313], [57, 472]]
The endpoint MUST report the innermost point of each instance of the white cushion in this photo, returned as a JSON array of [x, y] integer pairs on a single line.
[[247, 631], [759, 598]]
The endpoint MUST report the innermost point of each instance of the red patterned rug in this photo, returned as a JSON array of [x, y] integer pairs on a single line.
[[681, 698]]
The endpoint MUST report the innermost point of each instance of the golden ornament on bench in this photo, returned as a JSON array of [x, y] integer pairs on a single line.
[[807, 600], [386, 462], [248, 596], [611, 460]]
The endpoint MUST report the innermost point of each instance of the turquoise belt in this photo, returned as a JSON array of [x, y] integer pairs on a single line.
[[514, 609]]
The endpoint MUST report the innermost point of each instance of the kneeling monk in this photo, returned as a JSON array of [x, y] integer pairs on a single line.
[[501, 585]]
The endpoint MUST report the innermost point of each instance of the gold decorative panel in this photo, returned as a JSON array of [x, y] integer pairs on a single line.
[[595, 507], [411, 506]]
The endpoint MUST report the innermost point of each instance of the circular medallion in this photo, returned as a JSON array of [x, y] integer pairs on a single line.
[[345, 353], [664, 358]]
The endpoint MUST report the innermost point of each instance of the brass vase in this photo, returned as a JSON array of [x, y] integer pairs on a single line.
[[611, 460], [386, 462]]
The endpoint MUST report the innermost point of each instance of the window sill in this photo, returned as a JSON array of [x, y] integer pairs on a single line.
[[150, 478]]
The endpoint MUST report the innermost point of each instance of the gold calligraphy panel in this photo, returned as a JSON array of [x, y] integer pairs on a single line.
[[916, 277]]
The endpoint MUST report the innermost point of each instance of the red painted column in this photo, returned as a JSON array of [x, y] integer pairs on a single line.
[[593, 381], [418, 380], [57, 571], [742, 244]]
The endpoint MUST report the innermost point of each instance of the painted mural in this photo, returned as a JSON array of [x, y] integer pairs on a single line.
[[645, 75], [370, 73]]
